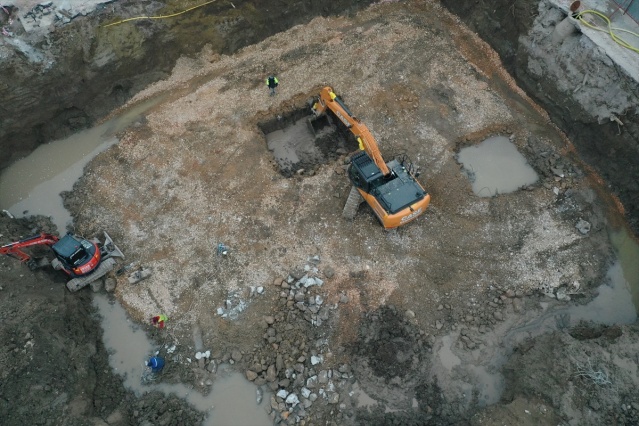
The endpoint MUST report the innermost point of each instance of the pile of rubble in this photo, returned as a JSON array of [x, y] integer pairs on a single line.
[[295, 362]]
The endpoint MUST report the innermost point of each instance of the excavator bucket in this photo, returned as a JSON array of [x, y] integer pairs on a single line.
[[111, 250], [316, 124], [318, 120]]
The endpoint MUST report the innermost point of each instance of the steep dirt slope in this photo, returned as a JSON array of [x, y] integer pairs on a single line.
[[60, 75], [583, 90]]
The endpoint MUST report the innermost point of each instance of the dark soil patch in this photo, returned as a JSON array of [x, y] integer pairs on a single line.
[[53, 363], [387, 343], [391, 360], [587, 331]]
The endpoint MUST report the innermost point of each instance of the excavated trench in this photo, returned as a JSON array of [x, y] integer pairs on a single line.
[[56, 82], [301, 143]]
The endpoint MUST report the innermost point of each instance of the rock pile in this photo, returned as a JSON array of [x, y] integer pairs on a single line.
[[236, 302], [294, 360]]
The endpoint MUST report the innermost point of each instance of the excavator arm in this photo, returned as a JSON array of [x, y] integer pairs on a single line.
[[15, 249], [328, 99]]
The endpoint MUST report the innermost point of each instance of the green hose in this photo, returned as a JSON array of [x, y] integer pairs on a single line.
[[158, 17], [610, 29]]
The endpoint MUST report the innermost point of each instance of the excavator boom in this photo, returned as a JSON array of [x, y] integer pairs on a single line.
[[328, 99]]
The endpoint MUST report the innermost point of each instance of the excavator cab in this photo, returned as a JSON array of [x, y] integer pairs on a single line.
[[363, 172], [76, 256], [394, 191], [73, 251], [83, 260]]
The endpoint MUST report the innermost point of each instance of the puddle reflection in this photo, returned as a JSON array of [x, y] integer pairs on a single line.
[[496, 167], [232, 400]]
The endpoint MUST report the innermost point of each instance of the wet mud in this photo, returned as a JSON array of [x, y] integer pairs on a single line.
[[55, 367], [301, 143]]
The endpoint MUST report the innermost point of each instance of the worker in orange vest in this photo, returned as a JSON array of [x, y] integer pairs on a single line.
[[159, 320]]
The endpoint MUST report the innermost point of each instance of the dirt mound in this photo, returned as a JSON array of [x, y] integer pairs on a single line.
[[391, 360], [389, 345]]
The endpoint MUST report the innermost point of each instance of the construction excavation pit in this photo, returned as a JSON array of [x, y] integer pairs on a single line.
[[420, 226], [301, 143]]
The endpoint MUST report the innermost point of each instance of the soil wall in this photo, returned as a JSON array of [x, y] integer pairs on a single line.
[[582, 89], [57, 78]]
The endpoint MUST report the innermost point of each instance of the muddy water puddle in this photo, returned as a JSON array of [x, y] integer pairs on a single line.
[[495, 166], [301, 143], [32, 185], [479, 381], [446, 355], [293, 145], [362, 398], [617, 297], [613, 305], [628, 253], [232, 400]]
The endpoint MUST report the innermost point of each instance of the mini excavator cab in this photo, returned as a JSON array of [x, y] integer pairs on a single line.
[[82, 260], [74, 252]]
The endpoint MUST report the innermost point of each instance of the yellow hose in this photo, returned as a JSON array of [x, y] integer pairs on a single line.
[[158, 17], [611, 30]]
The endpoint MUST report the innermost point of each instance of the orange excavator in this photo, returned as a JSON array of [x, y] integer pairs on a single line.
[[84, 261], [391, 189]]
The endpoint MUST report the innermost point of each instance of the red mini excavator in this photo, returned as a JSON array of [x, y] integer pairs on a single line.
[[83, 260]]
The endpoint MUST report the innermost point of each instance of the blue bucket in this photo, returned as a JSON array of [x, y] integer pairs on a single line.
[[156, 363]]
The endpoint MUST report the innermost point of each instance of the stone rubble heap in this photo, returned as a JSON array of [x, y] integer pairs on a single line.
[[237, 302], [294, 361]]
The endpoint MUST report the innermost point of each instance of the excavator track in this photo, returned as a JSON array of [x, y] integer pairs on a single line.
[[105, 267], [352, 204]]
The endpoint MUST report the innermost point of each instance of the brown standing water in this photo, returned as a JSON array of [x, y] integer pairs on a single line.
[[231, 400], [32, 185]]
